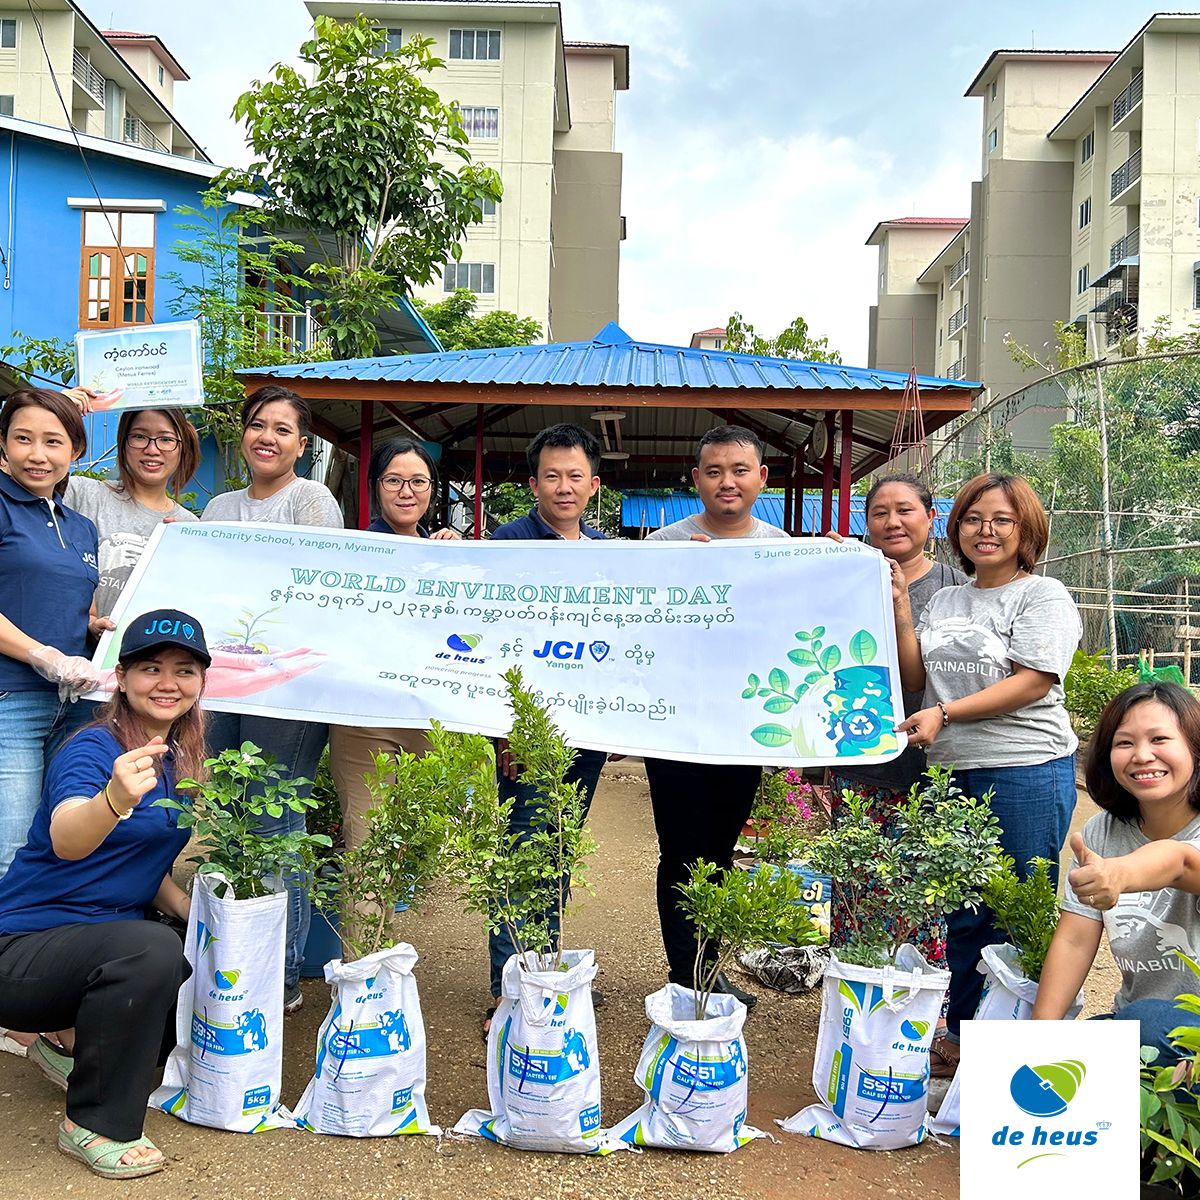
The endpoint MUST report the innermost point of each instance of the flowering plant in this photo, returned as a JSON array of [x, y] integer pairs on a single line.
[[782, 816]]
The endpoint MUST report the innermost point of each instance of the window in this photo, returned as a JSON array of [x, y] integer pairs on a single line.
[[480, 122], [487, 208], [1087, 147], [993, 89], [1085, 213], [475, 277], [391, 41], [116, 284], [476, 44], [161, 76], [992, 141], [1196, 291], [8, 34], [1082, 279], [6, 106]]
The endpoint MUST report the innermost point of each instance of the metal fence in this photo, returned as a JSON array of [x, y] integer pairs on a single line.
[[1113, 450]]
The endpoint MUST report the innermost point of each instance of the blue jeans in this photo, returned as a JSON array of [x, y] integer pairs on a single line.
[[585, 770], [1034, 807], [299, 745], [1157, 1018], [32, 727]]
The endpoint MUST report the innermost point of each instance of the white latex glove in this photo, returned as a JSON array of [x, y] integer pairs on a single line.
[[74, 674]]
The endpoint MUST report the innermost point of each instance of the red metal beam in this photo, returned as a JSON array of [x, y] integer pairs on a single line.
[[366, 439], [847, 473], [827, 475]]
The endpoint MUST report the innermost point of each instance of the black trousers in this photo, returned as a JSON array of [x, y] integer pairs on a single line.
[[699, 810], [115, 983]]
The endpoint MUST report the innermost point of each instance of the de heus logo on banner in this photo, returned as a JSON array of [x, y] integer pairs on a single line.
[[1049, 1108]]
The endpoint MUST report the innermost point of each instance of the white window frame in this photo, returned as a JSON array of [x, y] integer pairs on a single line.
[[463, 274], [487, 208], [385, 46], [1087, 147], [7, 101], [474, 116], [7, 23], [460, 40], [1085, 213], [993, 139], [1082, 279]]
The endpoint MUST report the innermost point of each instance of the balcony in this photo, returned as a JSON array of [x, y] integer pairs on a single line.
[[1127, 103], [957, 370], [956, 322], [960, 268], [138, 133], [1124, 188], [292, 332], [88, 82], [1123, 248]]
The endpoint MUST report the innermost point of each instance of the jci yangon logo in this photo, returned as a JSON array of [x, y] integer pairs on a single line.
[[1047, 1090]]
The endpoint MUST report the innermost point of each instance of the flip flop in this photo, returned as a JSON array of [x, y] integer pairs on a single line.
[[51, 1061], [104, 1158]]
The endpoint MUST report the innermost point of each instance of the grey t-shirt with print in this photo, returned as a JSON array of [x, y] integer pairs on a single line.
[[1145, 929], [973, 637], [125, 526], [302, 502], [685, 530]]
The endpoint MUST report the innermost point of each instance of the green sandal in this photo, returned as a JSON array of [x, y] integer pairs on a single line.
[[51, 1061], [104, 1158]]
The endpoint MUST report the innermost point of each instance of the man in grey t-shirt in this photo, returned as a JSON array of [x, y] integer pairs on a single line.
[[700, 808]]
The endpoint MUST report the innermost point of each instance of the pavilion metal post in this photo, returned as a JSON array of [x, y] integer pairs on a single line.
[[789, 511], [798, 498], [846, 464], [366, 426], [478, 472], [827, 474]]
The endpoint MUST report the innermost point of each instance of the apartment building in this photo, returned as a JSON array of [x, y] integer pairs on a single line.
[[59, 69], [541, 111]]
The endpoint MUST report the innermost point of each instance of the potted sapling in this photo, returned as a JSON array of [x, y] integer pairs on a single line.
[[1026, 910], [370, 1066], [881, 1000], [543, 1068], [227, 1068], [694, 1065]]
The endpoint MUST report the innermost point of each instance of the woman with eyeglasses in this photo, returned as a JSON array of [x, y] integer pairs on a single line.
[[402, 478], [991, 655]]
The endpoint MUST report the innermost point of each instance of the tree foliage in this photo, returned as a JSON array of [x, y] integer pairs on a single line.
[[794, 342], [361, 149], [458, 328]]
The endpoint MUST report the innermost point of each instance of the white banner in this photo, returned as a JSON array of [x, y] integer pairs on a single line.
[[736, 652], [141, 366]]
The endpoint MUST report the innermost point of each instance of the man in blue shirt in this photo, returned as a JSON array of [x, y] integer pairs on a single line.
[[563, 465]]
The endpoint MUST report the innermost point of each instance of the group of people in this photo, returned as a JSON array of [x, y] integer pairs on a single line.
[[90, 952]]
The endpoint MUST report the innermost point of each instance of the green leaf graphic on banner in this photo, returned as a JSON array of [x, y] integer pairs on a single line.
[[802, 657], [831, 657], [778, 704], [772, 735], [778, 680], [863, 647]]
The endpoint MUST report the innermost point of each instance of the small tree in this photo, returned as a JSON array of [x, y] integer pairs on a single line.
[[1026, 910], [360, 151], [794, 342], [458, 328]]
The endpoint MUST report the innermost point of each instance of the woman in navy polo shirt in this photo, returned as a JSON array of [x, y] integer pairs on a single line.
[[76, 950], [48, 576]]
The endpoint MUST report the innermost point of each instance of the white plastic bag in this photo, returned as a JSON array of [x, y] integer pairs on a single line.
[[872, 1060], [370, 1078], [227, 1067], [1007, 996], [543, 1069], [694, 1074]]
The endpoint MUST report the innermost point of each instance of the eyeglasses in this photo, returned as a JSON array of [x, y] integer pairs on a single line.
[[1000, 526], [419, 484], [166, 442]]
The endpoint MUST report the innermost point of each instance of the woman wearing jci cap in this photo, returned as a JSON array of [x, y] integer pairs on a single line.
[[77, 952]]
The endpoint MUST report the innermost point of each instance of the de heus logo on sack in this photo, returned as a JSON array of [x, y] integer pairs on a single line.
[[1056, 1103]]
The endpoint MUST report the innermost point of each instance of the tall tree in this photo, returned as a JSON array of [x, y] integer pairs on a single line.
[[458, 328], [794, 342], [359, 153]]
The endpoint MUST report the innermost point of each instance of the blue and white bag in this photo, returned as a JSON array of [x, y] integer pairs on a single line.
[[694, 1075], [227, 1068], [1007, 996], [370, 1079], [543, 1068], [872, 1060]]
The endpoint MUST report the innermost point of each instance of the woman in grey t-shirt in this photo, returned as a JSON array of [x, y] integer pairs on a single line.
[[900, 516], [991, 656]]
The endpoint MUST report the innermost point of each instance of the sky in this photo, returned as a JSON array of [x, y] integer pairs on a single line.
[[759, 152]]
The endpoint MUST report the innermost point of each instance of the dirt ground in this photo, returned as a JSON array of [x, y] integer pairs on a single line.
[[617, 918]]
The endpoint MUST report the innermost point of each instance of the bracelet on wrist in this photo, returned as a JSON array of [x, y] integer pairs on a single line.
[[116, 812], [945, 714]]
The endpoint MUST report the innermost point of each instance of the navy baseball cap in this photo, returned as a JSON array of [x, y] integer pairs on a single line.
[[164, 627]]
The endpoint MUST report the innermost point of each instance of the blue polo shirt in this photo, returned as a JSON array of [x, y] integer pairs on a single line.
[[119, 879], [532, 528], [380, 525], [48, 576]]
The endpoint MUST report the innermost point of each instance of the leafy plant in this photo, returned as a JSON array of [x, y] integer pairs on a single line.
[[1026, 910], [1090, 684], [51, 358], [945, 846], [243, 786], [512, 879], [458, 328], [248, 631], [738, 910], [403, 848], [1170, 1118], [326, 815], [782, 817]]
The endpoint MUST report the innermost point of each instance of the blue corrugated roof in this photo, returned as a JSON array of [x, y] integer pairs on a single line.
[[640, 511], [610, 359]]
